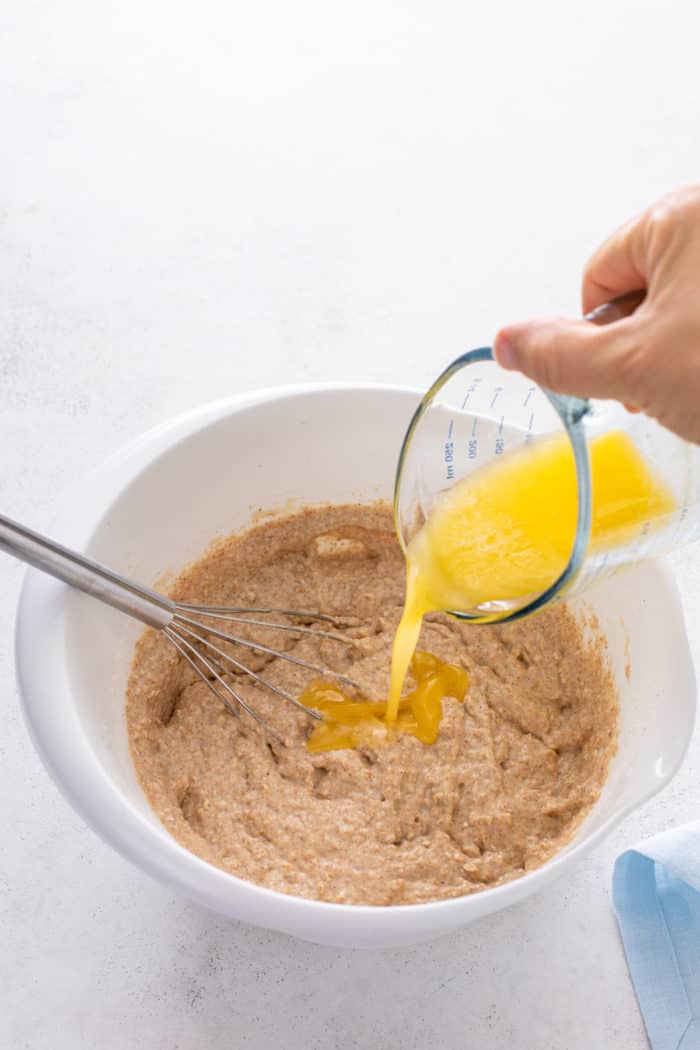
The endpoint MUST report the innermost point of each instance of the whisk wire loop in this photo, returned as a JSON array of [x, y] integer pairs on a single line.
[[246, 670], [182, 646]]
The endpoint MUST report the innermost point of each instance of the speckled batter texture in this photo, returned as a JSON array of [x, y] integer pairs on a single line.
[[515, 769]]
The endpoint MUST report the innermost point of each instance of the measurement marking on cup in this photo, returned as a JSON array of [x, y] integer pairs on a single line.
[[449, 455], [449, 430], [473, 446], [496, 394], [500, 440], [530, 392], [471, 390], [529, 436]]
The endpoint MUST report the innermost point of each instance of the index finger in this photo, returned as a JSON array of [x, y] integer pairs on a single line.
[[616, 267]]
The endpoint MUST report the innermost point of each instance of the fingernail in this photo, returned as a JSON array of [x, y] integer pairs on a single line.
[[505, 353]]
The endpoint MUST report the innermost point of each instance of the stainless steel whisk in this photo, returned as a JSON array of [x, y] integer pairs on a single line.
[[180, 622]]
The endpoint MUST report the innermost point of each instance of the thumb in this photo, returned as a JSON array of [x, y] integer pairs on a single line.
[[573, 357]]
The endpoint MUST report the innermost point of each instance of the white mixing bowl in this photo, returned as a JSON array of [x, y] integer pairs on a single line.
[[156, 506]]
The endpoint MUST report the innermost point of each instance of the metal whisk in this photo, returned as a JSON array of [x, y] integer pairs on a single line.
[[180, 622]]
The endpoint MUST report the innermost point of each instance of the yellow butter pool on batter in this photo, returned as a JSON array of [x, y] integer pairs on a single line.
[[349, 723]]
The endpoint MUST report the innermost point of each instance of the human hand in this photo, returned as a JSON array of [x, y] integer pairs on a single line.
[[651, 359]]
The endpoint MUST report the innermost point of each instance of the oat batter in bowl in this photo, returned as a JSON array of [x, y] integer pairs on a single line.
[[515, 769]]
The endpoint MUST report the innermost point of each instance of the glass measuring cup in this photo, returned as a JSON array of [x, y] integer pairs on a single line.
[[476, 412]]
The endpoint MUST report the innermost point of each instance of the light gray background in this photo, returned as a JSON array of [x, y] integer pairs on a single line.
[[197, 199]]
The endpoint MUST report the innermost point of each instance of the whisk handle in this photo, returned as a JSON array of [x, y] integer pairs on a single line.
[[88, 576]]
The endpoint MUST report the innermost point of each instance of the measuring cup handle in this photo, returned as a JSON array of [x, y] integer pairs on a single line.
[[618, 308]]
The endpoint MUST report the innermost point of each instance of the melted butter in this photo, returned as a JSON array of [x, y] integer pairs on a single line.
[[350, 723], [507, 530]]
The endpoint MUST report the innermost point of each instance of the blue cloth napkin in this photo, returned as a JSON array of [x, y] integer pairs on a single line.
[[656, 895]]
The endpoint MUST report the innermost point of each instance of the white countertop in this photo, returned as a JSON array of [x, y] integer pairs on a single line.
[[202, 199]]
